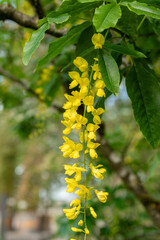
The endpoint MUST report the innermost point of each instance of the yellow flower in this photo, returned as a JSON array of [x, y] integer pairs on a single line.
[[72, 184], [84, 74], [92, 146], [70, 170], [93, 213], [76, 229], [77, 148], [70, 114], [75, 77], [39, 90], [84, 85], [86, 231], [97, 74], [76, 202], [83, 191], [99, 84], [67, 105], [98, 40], [102, 196], [81, 64], [75, 98], [85, 136], [80, 121], [68, 128], [72, 213], [96, 113], [101, 93], [80, 223], [89, 101], [91, 128], [70, 149], [97, 172]]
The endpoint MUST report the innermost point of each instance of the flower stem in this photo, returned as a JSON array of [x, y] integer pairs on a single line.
[[84, 160]]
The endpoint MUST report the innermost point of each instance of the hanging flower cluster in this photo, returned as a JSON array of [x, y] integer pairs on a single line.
[[89, 83]]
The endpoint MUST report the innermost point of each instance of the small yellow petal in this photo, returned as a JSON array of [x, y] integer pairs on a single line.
[[80, 223], [86, 231], [76, 229]]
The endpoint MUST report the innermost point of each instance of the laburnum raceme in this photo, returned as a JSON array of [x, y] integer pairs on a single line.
[[89, 85]]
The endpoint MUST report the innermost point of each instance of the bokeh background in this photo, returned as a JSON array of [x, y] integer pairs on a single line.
[[32, 186]]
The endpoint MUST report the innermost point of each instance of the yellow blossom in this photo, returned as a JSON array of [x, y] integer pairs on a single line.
[[76, 203], [70, 149], [70, 114], [96, 113], [98, 40], [72, 119], [99, 84], [102, 196], [91, 128], [86, 231], [76, 229], [72, 213], [97, 74], [75, 153], [84, 86], [68, 128], [97, 172], [70, 170], [75, 77], [80, 121], [85, 136], [92, 146], [72, 184], [39, 90], [84, 74], [81, 64], [83, 191], [93, 213], [89, 101], [101, 93], [80, 223]]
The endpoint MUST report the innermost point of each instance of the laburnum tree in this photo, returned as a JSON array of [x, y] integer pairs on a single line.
[[90, 49]]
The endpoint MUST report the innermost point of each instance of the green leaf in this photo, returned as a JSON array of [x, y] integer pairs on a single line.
[[155, 25], [86, 1], [33, 43], [106, 16], [110, 72], [142, 9], [128, 23], [57, 46], [72, 8], [59, 19], [124, 50], [144, 91]]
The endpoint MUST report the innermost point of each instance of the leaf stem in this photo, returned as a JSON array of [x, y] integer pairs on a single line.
[[140, 24]]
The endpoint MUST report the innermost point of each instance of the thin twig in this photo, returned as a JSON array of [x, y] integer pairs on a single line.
[[10, 13], [26, 88]]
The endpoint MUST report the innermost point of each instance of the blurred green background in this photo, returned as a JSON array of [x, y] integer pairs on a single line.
[[31, 164]]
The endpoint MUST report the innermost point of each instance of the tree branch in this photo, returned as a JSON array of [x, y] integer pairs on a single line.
[[131, 180], [10, 13], [25, 87], [38, 8]]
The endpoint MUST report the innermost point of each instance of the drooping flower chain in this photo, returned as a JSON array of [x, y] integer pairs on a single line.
[[72, 120]]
